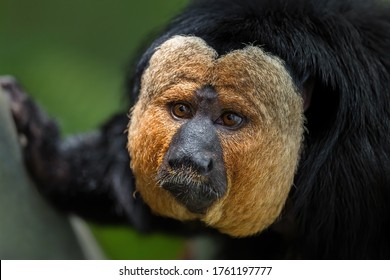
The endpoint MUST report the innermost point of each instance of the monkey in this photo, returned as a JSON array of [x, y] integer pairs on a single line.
[[264, 124]]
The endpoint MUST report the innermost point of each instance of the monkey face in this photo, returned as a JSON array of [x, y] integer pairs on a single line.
[[216, 138], [193, 168]]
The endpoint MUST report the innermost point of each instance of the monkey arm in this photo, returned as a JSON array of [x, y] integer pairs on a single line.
[[93, 177], [86, 174]]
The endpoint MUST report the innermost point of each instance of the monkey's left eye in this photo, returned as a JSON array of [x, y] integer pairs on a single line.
[[181, 111], [230, 120]]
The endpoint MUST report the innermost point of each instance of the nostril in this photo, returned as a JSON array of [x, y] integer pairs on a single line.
[[172, 163], [210, 165]]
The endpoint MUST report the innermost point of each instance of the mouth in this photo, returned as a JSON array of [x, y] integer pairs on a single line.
[[196, 192]]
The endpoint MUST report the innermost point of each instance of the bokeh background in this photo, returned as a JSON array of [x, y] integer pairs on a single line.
[[71, 56]]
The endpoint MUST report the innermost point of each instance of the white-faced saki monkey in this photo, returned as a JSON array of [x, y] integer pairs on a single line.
[[264, 124]]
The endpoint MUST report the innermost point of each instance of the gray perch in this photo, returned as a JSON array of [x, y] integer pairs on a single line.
[[29, 227]]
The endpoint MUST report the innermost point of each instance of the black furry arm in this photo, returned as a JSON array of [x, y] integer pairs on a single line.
[[86, 174], [92, 176]]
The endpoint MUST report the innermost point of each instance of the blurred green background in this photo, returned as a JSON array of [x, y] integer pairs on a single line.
[[71, 57]]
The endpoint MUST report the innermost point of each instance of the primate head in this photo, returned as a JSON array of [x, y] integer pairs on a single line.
[[216, 138]]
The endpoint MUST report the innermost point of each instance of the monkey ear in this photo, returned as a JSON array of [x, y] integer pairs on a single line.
[[307, 91]]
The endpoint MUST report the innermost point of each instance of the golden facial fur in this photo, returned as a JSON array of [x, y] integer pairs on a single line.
[[260, 158]]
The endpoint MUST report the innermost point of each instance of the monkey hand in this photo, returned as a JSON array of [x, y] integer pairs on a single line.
[[38, 134]]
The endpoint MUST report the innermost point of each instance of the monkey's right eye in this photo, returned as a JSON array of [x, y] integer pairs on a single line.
[[181, 111]]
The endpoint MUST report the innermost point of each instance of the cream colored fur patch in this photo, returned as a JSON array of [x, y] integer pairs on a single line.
[[260, 159]]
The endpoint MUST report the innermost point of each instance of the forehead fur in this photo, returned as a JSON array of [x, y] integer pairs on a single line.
[[188, 58], [177, 60]]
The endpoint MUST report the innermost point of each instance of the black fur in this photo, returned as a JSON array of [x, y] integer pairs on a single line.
[[339, 206], [341, 198]]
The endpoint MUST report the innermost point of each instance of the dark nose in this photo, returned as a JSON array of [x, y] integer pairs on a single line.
[[200, 162], [190, 179]]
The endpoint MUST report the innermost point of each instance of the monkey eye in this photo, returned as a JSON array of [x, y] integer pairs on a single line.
[[181, 110], [231, 120]]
